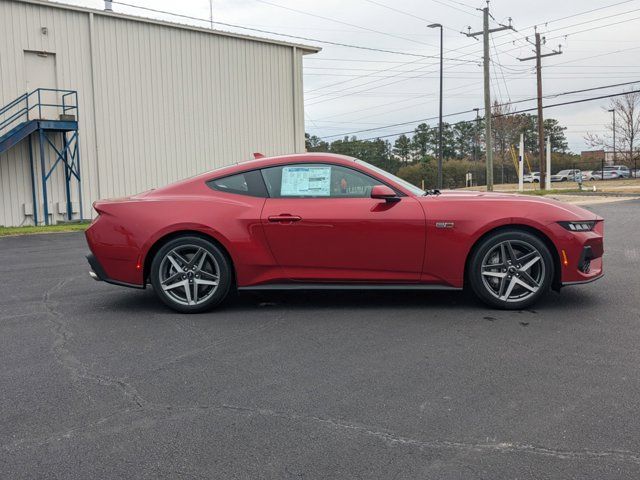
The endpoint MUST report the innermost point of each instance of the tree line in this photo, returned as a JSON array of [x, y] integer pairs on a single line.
[[412, 156]]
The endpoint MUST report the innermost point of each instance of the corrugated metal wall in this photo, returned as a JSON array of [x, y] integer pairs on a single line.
[[157, 102]]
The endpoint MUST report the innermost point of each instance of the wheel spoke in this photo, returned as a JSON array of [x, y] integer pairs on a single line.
[[200, 252], [527, 256], [208, 276], [195, 291], [530, 263], [491, 273], [527, 282], [203, 257], [512, 283], [503, 254], [187, 291], [201, 281], [174, 262], [172, 279], [510, 252], [171, 286]]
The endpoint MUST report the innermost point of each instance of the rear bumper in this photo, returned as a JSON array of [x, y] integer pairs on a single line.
[[98, 273]]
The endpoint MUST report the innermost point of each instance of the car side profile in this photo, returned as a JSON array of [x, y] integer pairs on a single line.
[[322, 221], [612, 172], [566, 175], [533, 177]]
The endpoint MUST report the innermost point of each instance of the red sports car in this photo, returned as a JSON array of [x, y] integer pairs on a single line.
[[321, 221]]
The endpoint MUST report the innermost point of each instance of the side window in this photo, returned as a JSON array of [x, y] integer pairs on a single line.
[[317, 180], [246, 183]]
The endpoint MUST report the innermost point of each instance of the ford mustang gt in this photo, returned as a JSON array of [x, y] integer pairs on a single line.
[[322, 221]]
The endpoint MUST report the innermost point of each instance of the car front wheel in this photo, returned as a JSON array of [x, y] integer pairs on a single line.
[[190, 274], [511, 270]]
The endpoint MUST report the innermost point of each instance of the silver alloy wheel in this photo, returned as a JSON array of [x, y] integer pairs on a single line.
[[513, 270], [189, 274]]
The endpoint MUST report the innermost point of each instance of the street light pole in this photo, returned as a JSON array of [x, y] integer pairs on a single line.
[[439, 183], [613, 110]]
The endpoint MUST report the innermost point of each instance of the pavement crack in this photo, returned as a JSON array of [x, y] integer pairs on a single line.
[[78, 370], [210, 346], [392, 439]]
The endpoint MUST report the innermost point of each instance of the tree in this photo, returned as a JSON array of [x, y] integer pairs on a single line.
[[423, 142], [377, 152], [315, 144], [402, 148], [464, 138], [419, 172], [552, 130], [627, 128], [448, 140], [506, 132]]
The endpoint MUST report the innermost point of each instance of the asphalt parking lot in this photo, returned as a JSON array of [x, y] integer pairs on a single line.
[[98, 381]]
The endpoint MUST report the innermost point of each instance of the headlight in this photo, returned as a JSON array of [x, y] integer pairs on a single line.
[[579, 226]]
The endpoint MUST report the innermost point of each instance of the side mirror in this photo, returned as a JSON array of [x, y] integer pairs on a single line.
[[384, 193]]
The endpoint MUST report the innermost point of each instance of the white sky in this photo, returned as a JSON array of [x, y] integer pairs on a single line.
[[349, 89]]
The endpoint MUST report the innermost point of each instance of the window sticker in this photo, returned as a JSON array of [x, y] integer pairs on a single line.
[[306, 181]]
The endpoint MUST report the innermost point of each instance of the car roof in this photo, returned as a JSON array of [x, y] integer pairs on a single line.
[[264, 162]]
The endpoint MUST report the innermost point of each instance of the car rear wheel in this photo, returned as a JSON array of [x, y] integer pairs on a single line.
[[511, 270], [190, 274]]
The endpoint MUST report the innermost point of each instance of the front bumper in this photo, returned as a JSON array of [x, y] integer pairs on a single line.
[[581, 254], [98, 273]]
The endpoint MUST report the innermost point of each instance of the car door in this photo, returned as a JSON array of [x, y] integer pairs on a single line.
[[322, 225]]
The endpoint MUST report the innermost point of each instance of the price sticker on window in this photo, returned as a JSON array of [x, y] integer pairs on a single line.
[[306, 182]]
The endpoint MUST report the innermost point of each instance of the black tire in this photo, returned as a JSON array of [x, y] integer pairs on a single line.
[[214, 264], [540, 273]]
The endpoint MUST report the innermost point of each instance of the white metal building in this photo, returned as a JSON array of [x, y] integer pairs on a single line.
[[156, 102]]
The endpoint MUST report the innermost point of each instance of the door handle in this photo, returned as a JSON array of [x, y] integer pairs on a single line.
[[285, 218]]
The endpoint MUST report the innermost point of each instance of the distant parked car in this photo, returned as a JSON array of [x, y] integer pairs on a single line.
[[566, 175], [533, 177], [587, 175], [635, 173], [612, 173]]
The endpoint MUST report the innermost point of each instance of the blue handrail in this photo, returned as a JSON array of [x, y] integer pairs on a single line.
[[19, 109]]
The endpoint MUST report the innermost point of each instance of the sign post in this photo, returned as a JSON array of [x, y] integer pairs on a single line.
[[521, 164], [548, 169]]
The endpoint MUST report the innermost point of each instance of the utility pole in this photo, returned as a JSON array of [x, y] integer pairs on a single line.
[[211, 13], [487, 91], [439, 182], [544, 175]]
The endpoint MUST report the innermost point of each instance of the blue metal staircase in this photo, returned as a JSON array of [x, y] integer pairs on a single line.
[[23, 118]]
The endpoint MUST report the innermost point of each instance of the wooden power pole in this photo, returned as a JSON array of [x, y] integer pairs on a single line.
[[487, 91], [544, 175]]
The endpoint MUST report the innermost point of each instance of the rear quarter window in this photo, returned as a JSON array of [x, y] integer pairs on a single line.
[[246, 183]]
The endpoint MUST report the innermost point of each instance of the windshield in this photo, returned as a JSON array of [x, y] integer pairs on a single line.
[[409, 186], [563, 172]]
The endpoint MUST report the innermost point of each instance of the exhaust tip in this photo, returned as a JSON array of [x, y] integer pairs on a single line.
[[94, 275]]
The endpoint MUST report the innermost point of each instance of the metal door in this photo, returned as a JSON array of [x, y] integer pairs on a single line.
[[40, 72]]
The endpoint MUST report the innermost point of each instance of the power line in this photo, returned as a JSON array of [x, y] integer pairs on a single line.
[[454, 7], [555, 95], [402, 12], [269, 32], [329, 19]]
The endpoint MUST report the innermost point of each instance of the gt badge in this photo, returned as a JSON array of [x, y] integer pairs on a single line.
[[445, 224]]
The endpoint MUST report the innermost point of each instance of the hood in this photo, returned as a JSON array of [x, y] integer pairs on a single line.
[[566, 211]]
